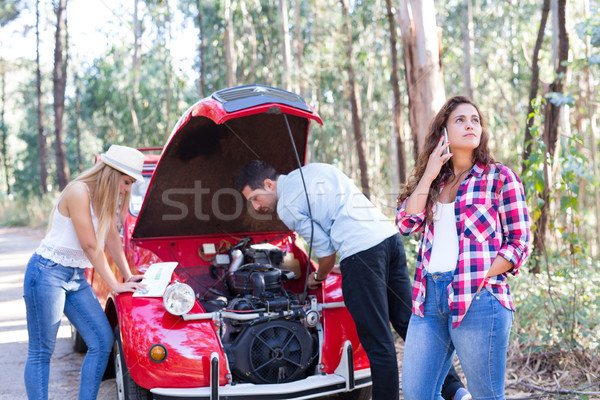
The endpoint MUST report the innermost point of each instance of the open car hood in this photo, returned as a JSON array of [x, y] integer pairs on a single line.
[[192, 191]]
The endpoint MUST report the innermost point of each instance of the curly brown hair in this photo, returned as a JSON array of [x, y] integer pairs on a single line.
[[480, 155]]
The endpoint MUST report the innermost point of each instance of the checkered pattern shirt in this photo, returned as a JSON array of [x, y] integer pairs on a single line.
[[491, 219]]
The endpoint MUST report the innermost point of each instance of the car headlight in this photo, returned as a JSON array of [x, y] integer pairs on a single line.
[[179, 298]]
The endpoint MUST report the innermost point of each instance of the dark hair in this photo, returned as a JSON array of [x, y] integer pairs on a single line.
[[480, 155], [254, 174]]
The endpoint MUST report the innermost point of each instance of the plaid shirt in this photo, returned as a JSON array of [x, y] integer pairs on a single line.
[[491, 219]]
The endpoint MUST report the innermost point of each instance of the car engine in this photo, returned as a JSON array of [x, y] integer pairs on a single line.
[[265, 335]]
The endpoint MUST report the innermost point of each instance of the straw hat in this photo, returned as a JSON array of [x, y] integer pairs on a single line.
[[126, 160]]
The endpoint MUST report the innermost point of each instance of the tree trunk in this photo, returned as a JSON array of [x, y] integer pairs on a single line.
[[355, 102], [201, 46], [40, 105], [315, 34], [397, 105], [551, 124], [77, 128], [299, 67], [4, 138], [60, 81], [552, 112], [535, 81], [284, 27], [229, 51], [169, 73], [251, 37], [421, 40], [469, 50], [135, 73]]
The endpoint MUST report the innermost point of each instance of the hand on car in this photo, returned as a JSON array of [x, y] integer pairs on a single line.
[[312, 283], [128, 287], [135, 278]]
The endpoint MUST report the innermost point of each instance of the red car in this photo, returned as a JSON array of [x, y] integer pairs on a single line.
[[236, 320]]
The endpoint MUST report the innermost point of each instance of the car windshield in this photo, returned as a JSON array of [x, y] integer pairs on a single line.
[[138, 192]]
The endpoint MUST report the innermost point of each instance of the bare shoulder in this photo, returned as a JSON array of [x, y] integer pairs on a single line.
[[76, 197]]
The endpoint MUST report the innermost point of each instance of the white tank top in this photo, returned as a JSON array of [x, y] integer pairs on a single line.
[[61, 244], [444, 253]]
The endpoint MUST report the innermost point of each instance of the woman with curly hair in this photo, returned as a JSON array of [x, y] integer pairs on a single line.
[[474, 225]]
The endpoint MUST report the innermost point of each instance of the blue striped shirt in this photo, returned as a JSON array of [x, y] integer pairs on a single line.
[[345, 221]]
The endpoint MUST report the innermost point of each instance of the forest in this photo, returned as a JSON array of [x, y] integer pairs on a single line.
[[376, 71]]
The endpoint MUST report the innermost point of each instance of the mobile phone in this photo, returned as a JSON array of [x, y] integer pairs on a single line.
[[447, 149]]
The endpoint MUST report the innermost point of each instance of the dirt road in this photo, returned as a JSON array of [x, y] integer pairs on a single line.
[[16, 246]]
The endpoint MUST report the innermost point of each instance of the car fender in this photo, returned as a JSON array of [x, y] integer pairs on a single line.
[[144, 322], [338, 327]]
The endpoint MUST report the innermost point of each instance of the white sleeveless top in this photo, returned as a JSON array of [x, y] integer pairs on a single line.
[[444, 253], [61, 244]]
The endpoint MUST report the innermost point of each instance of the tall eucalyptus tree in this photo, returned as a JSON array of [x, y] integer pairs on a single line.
[[286, 55], [40, 105], [201, 46], [355, 103], [469, 49], [422, 62], [535, 82], [230, 61], [3, 127], [552, 117], [63, 174], [134, 132], [397, 99]]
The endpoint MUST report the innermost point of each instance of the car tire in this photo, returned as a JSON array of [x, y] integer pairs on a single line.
[[127, 389], [77, 341]]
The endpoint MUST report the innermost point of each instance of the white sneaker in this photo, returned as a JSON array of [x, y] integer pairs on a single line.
[[462, 394]]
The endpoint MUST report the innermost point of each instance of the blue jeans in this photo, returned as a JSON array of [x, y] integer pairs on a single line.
[[50, 289], [480, 341]]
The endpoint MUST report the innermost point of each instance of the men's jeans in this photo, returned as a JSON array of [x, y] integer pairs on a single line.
[[481, 342], [377, 290], [49, 290]]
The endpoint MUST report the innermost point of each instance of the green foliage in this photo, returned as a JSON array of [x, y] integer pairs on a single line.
[[559, 307], [25, 164], [533, 177], [9, 10], [504, 35], [28, 211], [590, 29], [106, 95], [591, 26]]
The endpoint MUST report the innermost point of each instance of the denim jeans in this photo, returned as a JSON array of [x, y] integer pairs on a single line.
[[480, 341], [377, 290], [50, 289]]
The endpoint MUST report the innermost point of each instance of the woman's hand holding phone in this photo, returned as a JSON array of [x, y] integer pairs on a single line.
[[438, 157], [446, 142]]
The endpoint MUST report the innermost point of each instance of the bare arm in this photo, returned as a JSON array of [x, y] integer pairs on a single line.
[[115, 248], [77, 202], [326, 264]]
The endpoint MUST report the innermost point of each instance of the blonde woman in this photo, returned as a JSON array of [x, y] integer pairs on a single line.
[[82, 224]]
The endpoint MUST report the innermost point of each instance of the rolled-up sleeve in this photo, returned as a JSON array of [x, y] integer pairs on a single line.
[[408, 224], [299, 221], [515, 221]]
